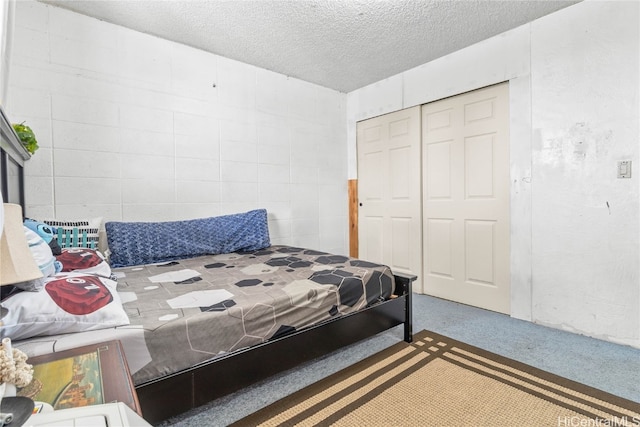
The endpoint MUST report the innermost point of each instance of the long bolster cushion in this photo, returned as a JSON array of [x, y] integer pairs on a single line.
[[137, 243]]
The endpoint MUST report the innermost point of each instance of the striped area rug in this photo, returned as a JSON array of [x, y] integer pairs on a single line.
[[438, 381]]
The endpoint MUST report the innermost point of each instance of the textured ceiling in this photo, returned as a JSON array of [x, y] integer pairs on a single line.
[[339, 44]]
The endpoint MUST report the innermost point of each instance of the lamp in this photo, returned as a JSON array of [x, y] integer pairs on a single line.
[[16, 261], [16, 265]]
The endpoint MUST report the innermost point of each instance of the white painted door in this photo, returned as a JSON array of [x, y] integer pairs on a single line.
[[466, 198], [389, 191]]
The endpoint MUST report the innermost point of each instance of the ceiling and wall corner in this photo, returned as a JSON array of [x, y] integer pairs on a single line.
[[64, 89], [131, 128], [573, 82], [339, 44]]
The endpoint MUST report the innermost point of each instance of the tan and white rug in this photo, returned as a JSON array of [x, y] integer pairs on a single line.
[[438, 381]]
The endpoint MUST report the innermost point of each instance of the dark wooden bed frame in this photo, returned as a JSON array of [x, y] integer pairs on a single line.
[[179, 392], [193, 387]]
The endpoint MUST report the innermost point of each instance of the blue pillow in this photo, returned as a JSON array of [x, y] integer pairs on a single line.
[[46, 232], [136, 243]]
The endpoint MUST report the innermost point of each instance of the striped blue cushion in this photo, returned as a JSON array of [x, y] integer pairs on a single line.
[[75, 238], [77, 234], [136, 243]]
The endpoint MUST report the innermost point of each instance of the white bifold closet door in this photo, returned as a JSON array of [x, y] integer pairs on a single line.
[[389, 191], [465, 148]]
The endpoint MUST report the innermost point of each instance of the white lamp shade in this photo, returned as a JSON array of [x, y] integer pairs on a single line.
[[16, 261]]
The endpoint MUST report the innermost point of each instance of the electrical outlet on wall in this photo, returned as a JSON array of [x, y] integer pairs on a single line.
[[624, 169]]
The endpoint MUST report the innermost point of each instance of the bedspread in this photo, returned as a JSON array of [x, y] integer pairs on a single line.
[[195, 309]]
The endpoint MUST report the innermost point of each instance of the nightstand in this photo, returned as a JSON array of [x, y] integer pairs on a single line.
[[106, 415], [84, 376]]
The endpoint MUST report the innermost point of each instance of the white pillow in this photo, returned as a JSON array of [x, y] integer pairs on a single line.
[[69, 302], [83, 260], [43, 257], [41, 252]]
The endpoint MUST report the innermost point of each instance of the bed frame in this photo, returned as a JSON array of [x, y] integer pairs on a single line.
[[179, 392], [193, 387]]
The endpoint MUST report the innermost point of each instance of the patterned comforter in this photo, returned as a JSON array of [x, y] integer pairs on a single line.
[[195, 309]]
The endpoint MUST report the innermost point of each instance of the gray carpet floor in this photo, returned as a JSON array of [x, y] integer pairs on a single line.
[[603, 365]]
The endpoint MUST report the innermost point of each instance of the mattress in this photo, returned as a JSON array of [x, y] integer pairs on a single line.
[[186, 312], [195, 309]]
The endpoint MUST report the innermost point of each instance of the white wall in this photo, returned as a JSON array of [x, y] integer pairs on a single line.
[[131, 128], [7, 13], [574, 84], [585, 84]]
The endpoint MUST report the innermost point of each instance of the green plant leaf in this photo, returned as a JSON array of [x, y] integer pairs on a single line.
[[27, 137]]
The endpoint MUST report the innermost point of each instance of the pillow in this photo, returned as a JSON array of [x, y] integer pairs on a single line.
[[44, 259], [41, 253], [68, 303], [48, 233], [136, 243], [83, 260], [84, 233]]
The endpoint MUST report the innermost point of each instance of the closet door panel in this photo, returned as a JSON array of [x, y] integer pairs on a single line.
[[466, 198], [389, 191]]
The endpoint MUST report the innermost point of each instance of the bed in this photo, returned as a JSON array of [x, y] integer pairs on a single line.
[[200, 327]]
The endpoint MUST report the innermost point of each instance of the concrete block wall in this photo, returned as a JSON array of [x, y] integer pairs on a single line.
[[137, 128]]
